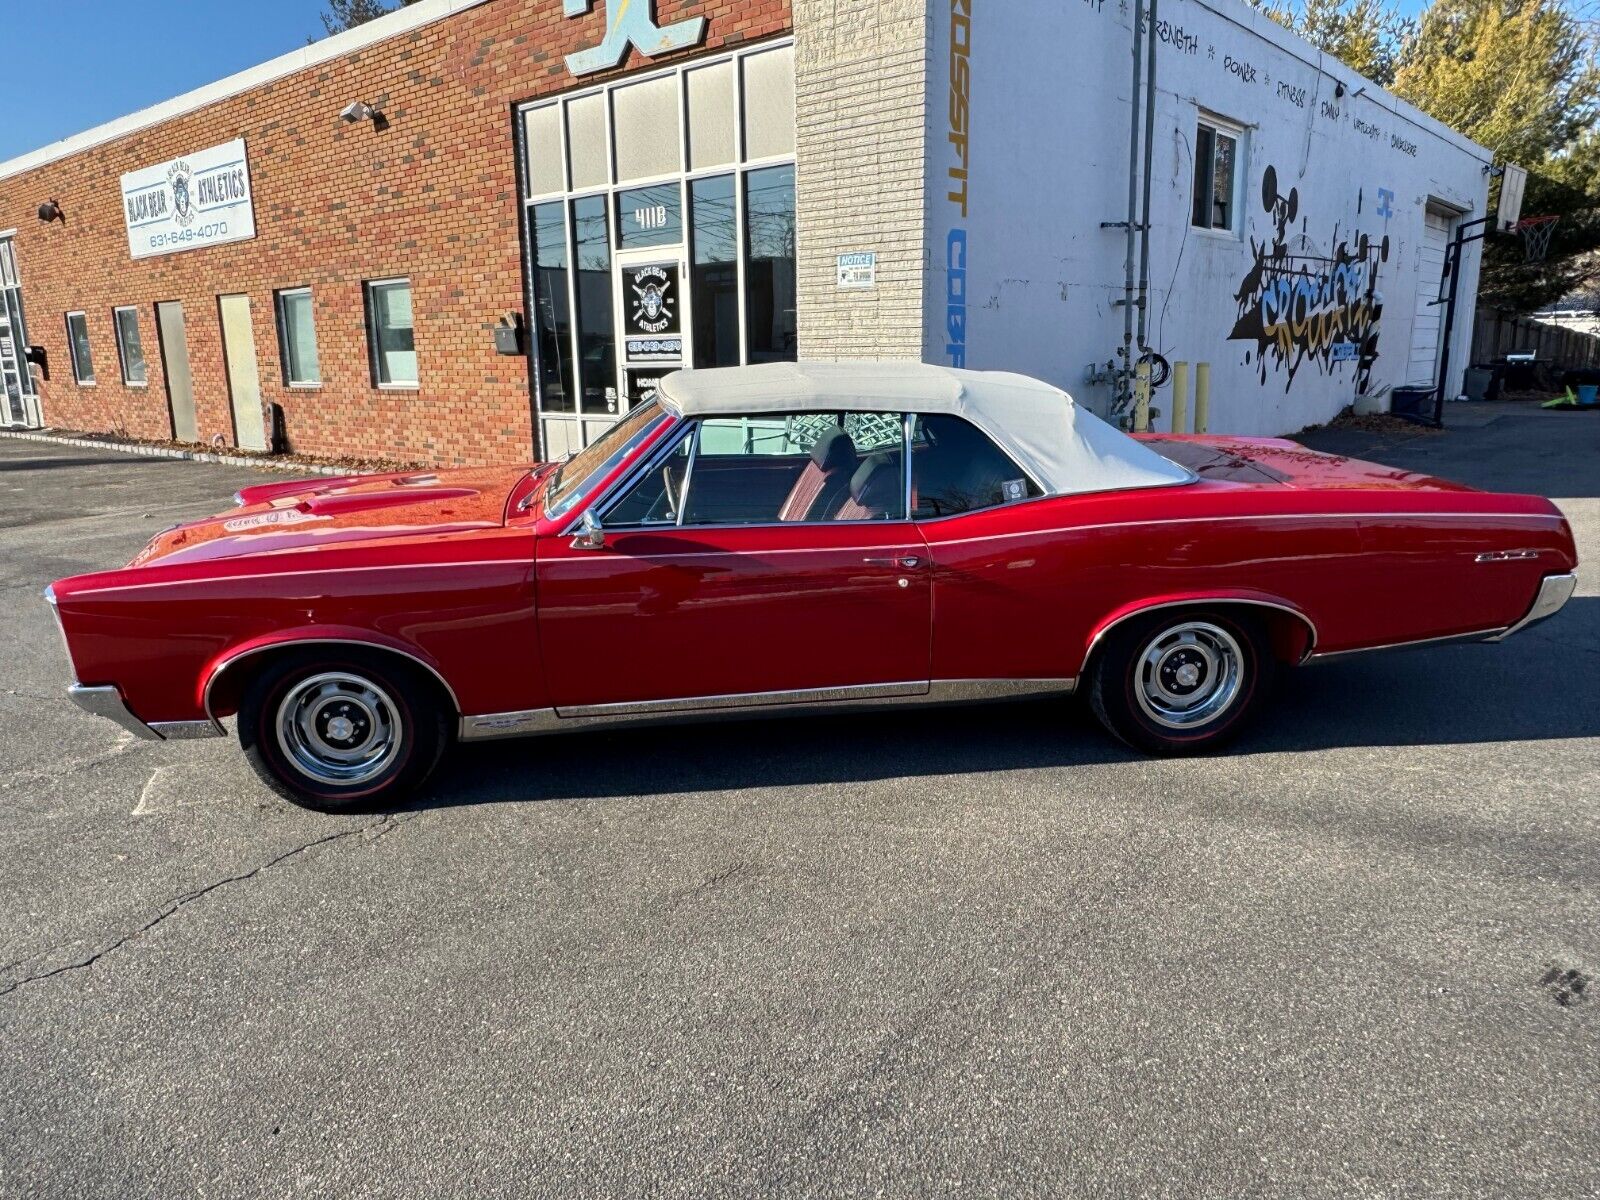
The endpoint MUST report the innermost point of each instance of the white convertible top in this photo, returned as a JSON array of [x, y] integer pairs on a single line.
[[1066, 449]]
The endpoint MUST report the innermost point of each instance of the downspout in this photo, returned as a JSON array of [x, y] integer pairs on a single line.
[[1125, 375], [1149, 159]]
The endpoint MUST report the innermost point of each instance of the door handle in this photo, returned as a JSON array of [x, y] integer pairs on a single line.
[[907, 562]]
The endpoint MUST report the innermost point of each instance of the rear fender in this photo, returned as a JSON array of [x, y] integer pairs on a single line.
[[1294, 634], [222, 681]]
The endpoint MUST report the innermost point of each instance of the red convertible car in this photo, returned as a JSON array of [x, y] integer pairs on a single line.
[[788, 538]]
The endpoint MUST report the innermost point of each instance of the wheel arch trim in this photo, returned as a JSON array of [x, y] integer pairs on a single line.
[[1140, 608], [223, 663]]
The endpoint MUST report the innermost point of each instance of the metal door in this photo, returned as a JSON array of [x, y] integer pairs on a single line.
[[652, 291], [175, 366], [244, 375]]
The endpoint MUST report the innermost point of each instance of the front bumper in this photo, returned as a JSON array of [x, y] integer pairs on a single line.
[[1554, 592], [107, 702]]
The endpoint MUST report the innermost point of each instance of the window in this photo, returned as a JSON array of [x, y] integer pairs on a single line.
[[772, 469], [597, 322], [78, 344], [297, 338], [714, 271], [389, 333], [581, 473], [129, 348], [955, 468], [1216, 154], [552, 314], [769, 268]]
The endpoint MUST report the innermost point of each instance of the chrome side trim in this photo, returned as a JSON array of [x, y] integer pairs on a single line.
[[1554, 592], [226, 663], [1481, 635], [1204, 600], [869, 691], [107, 702], [803, 702], [185, 731]]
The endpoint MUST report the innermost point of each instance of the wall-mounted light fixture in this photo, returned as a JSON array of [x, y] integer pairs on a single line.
[[50, 211], [358, 112], [1338, 89]]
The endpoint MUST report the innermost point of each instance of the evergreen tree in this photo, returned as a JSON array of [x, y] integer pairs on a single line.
[[347, 14]]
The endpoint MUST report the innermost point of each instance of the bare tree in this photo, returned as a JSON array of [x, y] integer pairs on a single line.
[[347, 14]]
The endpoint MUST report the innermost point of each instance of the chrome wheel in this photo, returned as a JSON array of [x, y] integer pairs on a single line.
[[338, 729], [1189, 674]]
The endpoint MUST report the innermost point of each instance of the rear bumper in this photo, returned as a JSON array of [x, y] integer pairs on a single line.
[[1554, 592], [107, 702]]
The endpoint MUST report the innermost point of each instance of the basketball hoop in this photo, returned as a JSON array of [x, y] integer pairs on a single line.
[[1536, 232]]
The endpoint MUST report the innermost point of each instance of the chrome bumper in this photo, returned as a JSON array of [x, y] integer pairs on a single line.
[[1554, 591], [107, 702]]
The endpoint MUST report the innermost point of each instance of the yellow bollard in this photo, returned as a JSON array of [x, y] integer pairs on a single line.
[[1202, 397], [1180, 396], [1141, 398]]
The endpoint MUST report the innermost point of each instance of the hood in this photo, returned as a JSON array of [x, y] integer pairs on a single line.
[[276, 517]]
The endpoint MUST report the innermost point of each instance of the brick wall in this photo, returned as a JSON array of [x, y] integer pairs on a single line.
[[861, 74], [433, 197]]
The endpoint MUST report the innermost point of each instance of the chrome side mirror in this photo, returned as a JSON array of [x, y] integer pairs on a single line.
[[590, 535]]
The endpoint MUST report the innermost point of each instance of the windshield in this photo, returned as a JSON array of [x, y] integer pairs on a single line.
[[579, 475]]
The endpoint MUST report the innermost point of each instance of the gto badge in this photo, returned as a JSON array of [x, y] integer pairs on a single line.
[[653, 303]]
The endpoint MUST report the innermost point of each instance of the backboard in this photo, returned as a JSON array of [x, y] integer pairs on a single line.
[[1512, 182]]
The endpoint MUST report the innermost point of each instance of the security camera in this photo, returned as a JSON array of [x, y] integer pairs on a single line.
[[356, 113]]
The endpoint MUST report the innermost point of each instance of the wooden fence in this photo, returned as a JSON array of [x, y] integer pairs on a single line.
[[1497, 333]]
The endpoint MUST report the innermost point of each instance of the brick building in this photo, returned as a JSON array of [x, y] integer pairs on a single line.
[[476, 230]]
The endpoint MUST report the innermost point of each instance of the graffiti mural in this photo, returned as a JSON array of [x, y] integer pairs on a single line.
[[1305, 307]]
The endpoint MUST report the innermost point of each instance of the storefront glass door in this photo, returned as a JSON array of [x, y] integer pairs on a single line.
[[19, 399], [652, 313]]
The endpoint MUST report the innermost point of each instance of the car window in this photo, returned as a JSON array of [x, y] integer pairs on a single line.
[[654, 497], [956, 468], [579, 475], [793, 467]]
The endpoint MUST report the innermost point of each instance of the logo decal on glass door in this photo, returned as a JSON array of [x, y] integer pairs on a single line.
[[653, 303], [632, 22]]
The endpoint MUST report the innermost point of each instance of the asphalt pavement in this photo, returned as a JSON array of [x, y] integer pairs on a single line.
[[980, 952]]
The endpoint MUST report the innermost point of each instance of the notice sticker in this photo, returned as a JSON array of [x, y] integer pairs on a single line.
[[1014, 489], [858, 269]]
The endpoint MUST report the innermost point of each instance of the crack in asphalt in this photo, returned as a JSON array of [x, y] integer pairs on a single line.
[[387, 824], [124, 743]]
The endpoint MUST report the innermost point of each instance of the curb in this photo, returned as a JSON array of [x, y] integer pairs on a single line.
[[291, 466]]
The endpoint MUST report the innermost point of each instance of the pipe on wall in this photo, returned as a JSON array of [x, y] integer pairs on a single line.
[[1125, 373]]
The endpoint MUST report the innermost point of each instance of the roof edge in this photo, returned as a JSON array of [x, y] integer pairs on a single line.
[[380, 29]]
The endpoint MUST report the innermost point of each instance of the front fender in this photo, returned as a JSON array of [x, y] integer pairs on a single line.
[[221, 683]]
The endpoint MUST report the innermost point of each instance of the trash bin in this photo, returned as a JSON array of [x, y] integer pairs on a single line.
[[1412, 403], [1588, 395], [1478, 382]]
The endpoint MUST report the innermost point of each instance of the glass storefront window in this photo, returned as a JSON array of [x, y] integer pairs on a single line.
[[711, 132], [552, 318], [392, 332], [714, 271], [542, 138], [650, 216], [645, 116], [769, 103], [769, 265], [597, 343], [297, 336]]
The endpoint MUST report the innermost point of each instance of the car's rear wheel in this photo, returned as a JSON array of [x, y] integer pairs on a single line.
[[351, 731], [1181, 681]]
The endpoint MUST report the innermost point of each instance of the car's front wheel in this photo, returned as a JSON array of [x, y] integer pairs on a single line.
[[348, 731], [1181, 681]]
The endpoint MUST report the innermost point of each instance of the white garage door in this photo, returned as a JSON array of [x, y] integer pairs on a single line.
[[1423, 367]]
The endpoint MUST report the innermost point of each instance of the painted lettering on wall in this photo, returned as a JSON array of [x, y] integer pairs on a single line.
[[1306, 307], [631, 23], [1294, 95], [1402, 145], [1234, 66], [959, 137], [1174, 35]]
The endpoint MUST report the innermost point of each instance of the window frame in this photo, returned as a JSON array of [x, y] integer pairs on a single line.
[[78, 376], [278, 298], [122, 347], [369, 289], [1237, 134], [690, 428]]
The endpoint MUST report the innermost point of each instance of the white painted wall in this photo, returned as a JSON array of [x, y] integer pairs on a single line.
[[1049, 84]]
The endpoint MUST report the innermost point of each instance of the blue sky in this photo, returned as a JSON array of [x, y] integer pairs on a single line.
[[72, 64]]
